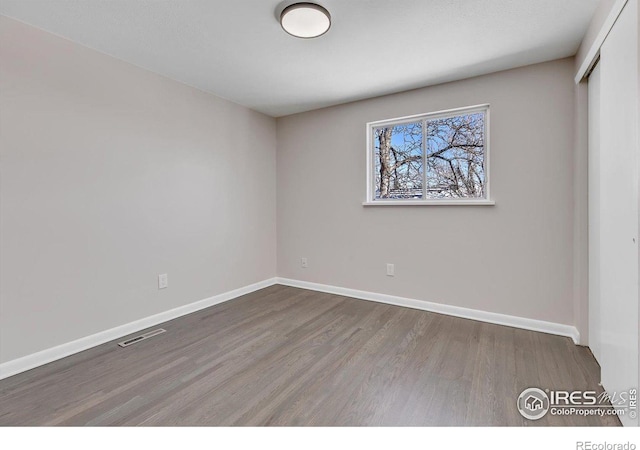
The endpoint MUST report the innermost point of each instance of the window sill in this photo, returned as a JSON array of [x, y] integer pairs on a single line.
[[430, 203]]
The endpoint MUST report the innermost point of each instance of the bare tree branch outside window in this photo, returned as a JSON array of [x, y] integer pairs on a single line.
[[399, 162], [455, 157], [437, 158]]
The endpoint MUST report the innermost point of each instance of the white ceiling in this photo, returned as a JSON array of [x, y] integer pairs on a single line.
[[237, 50]]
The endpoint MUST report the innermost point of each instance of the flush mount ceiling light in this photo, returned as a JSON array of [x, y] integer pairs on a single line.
[[305, 20]]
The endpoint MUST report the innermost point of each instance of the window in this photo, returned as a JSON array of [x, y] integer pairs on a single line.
[[436, 158]]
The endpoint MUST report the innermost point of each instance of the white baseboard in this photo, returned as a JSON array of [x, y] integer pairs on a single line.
[[25, 363], [28, 362], [457, 311]]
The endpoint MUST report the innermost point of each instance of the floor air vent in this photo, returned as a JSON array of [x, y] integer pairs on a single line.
[[142, 337]]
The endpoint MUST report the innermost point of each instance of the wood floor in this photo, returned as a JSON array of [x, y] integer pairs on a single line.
[[287, 356]]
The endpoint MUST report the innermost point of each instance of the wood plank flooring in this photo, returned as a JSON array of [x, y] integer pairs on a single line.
[[290, 357]]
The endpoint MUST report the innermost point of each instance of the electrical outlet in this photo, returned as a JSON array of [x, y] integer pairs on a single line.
[[163, 281], [304, 263], [391, 270]]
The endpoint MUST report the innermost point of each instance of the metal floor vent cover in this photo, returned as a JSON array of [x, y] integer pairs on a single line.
[[142, 337]]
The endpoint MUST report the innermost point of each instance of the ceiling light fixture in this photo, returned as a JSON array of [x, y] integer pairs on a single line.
[[305, 20]]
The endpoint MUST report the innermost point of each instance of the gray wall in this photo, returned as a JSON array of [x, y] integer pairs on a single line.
[[513, 258], [111, 175]]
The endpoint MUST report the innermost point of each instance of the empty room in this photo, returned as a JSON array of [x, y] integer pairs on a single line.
[[345, 214]]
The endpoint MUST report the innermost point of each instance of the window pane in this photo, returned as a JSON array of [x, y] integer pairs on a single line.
[[398, 161], [455, 157]]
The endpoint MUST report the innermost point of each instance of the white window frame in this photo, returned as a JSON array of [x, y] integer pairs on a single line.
[[372, 201]]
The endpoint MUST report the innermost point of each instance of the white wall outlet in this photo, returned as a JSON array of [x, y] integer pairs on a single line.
[[304, 263], [391, 270], [163, 281]]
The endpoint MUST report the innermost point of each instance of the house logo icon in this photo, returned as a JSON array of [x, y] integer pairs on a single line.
[[533, 403]]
